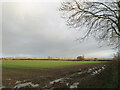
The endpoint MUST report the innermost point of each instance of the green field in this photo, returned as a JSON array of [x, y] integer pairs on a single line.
[[36, 64]]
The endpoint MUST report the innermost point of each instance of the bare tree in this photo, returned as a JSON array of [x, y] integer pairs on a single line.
[[102, 19]]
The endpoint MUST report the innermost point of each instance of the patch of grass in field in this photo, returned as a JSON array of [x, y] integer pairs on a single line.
[[37, 64]]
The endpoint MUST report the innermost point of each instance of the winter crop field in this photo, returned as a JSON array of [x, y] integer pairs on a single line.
[[36, 64]]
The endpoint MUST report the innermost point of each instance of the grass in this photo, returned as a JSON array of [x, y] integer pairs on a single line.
[[37, 64]]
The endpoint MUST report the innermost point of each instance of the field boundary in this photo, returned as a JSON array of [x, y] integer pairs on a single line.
[[58, 59]]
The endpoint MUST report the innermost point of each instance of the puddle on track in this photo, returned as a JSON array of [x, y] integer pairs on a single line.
[[17, 82], [74, 85], [2, 87], [57, 80], [98, 71], [24, 85]]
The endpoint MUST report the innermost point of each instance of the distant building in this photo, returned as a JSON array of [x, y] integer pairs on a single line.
[[80, 58], [95, 59], [49, 57]]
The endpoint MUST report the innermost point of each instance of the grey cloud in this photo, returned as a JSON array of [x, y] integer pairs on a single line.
[[41, 32]]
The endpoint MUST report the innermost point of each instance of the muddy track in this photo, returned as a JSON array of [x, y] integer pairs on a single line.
[[73, 80]]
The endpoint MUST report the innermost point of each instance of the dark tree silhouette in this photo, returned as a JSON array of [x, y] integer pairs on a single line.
[[102, 19]]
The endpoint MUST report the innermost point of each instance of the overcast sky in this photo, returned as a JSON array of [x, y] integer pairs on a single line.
[[37, 30]]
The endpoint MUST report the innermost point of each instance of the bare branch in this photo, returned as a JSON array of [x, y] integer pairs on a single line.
[[103, 22]]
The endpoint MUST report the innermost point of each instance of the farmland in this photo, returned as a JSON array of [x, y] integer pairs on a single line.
[[30, 64], [58, 74]]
